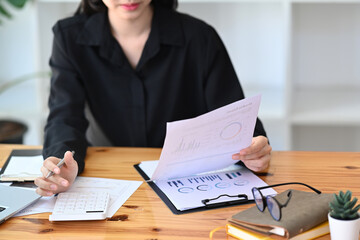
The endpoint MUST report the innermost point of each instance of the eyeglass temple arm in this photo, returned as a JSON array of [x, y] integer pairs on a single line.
[[288, 200], [281, 184]]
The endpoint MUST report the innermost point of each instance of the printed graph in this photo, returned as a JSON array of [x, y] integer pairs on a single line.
[[207, 182], [233, 175], [231, 130]]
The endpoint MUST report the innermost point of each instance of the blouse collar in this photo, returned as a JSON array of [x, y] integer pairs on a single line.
[[166, 28]]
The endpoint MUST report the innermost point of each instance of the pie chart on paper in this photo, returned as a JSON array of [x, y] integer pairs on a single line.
[[231, 130]]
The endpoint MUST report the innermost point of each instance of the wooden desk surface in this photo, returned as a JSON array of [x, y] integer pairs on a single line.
[[145, 216]]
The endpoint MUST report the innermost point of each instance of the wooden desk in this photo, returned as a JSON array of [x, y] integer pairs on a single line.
[[145, 216]]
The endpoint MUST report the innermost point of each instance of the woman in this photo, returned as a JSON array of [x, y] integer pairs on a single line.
[[137, 65]]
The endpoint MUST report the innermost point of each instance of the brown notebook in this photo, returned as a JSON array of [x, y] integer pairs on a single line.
[[304, 211]]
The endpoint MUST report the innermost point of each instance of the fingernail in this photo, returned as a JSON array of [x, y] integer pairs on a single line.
[[52, 186], [64, 183]]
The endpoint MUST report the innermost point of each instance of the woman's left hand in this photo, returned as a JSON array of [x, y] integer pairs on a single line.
[[257, 156]]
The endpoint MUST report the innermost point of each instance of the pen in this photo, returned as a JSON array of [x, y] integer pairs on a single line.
[[62, 161]]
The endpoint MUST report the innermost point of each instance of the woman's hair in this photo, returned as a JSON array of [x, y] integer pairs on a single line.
[[89, 7]]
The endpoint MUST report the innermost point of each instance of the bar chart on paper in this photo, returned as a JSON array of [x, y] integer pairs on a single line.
[[188, 192]]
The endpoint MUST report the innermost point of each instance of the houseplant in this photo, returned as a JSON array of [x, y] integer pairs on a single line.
[[12, 131], [15, 3], [344, 219]]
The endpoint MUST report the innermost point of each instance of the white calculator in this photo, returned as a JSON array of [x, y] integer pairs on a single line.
[[76, 206]]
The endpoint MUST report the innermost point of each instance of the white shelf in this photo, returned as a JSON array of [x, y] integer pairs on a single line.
[[327, 107], [325, 138]]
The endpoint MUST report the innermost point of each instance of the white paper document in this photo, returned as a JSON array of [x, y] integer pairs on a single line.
[[44, 204], [119, 190], [207, 142]]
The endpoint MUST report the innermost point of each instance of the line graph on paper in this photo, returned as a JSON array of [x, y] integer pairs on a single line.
[[190, 143]]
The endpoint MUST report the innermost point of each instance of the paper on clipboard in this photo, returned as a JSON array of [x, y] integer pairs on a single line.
[[22, 168], [189, 192], [196, 165]]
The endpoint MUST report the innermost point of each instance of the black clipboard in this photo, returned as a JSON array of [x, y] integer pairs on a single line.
[[19, 153], [241, 198]]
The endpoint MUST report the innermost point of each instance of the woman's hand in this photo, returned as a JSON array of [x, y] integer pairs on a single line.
[[62, 178], [257, 156]]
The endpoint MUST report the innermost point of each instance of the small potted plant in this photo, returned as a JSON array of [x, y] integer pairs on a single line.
[[11, 131], [344, 219]]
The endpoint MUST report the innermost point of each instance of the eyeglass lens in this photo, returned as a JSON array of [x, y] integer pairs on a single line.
[[273, 207], [258, 198]]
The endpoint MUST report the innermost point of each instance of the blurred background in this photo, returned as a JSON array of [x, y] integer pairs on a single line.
[[303, 56]]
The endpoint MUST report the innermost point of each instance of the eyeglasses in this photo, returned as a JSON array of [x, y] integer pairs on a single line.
[[273, 205]]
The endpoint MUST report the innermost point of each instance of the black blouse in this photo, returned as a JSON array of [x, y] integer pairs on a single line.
[[184, 71]]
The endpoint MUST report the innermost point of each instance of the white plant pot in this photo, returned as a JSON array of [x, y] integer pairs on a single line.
[[344, 229]]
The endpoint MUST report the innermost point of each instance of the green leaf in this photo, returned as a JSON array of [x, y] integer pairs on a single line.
[[354, 216], [339, 199], [336, 208], [17, 3], [347, 196], [350, 204], [347, 211], [4, 12], [357, 208], [341, 194], [335, 215]]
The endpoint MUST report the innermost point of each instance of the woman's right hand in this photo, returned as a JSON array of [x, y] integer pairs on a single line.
[[62, 178]]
